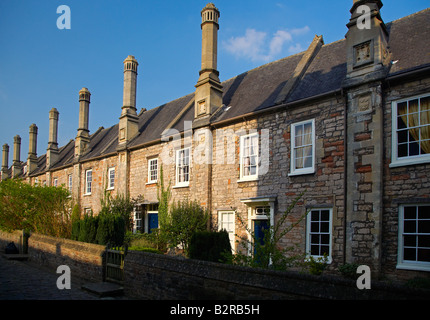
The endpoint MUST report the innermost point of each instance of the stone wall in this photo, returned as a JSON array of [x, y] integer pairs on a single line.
[[161, 277], [402, 184], [324, 187], [8, 237], [84, 259], [99, 169]]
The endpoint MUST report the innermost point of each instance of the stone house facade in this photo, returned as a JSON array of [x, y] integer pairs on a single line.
[[345, 123]]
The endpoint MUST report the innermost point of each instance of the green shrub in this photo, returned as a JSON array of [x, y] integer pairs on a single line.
[[184, 219], [110, 229], [209, 246], [76, 225], [145, 249], [316, 265], [41, 209], [349, 270], [88, 229]]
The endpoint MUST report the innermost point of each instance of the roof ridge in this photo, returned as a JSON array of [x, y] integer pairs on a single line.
[[410, 16]]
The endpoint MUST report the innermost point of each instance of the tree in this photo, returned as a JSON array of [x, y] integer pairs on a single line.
[[183, 220], [40, 209]]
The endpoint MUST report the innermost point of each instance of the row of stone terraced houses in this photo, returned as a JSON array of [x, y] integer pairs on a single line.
[[349, 122]]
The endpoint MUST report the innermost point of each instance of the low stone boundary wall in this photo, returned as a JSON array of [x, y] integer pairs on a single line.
[[85, 260], [163, 277], [8, 237], [153, 276]]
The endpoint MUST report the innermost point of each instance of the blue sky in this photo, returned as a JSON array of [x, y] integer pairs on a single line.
[[42, 67]]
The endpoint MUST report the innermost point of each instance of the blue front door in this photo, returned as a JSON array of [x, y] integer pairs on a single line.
[[152, 221], [259, 227]]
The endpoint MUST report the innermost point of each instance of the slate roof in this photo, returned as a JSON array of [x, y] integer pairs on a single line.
[[261, 88]]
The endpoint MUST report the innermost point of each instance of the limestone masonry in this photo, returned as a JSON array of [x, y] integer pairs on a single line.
[[348, 123]]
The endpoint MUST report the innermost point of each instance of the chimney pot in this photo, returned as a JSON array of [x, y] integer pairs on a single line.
[[83, 137], [52, 152], [5, 162], [32, 149], [16, 164]]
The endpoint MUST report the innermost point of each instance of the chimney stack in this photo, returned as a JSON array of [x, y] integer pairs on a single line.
[[208, 95], [368, 55], [52, 151], [5, 163], [32, 149], [128, 124], [16, 164], [83, 136]]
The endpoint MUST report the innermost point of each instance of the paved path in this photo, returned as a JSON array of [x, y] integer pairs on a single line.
[[22, 280]]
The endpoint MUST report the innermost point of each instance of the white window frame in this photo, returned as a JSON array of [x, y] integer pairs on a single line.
[[70, 182], [150, 171], [88, 184], [409, 264], [249, 177], [55, 183], [137, 218], [307, 170], [111, 180], [232, 230], [403, 161], [179, 166], [309, 232]]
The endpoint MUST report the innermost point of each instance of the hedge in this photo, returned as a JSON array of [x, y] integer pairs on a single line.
[[210, 246]]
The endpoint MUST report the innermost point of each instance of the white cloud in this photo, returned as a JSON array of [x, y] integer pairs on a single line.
[[256, 46], [296, 48]]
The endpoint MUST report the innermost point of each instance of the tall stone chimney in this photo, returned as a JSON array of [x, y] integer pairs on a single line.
[[368, 60], [128, 121], [368, 56], [32, 149], [5, 162], [208, 95], [16, 164], [83, 136], [52, 152]]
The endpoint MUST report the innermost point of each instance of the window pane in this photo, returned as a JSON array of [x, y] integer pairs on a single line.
[[315, 250], [424, 226], [410, 241], [324, 227], [315, 239], [402, 150], [402, 108], [409, 254], [315, 215], [401, 123], [424, 118], [424, 212], [414, 149], [424, 255], [410, 226], [299, 140], [424, 241], [402, 136], [325, 250], [325, 239], [410, 212], [325, 215], [315, 227], [425, 103], [308, 162]]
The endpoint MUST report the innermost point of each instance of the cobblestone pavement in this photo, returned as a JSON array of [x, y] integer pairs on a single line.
[[22, 280]]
